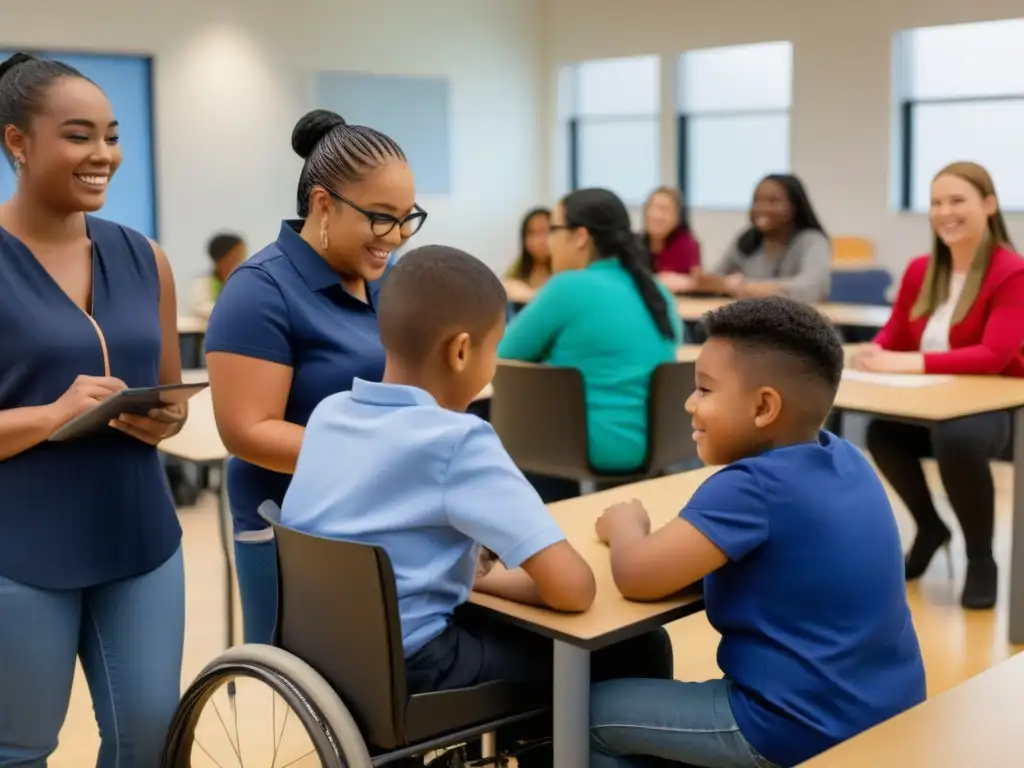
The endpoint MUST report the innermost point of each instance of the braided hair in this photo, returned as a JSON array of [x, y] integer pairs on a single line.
[[336, 153], [604, 216], [24, 81]]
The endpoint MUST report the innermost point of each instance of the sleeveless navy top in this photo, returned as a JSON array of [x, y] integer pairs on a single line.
[[79, 513]]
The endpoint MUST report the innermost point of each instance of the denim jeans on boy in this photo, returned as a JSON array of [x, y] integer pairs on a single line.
[[662, 723], [129, 636]]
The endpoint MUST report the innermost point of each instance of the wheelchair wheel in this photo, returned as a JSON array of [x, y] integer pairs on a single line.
[[282, 714]]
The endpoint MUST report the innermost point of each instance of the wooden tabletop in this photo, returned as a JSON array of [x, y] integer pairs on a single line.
[[975, 723], [189, 324], [198, 440], [951, 398], [612, 617], [692, 308]]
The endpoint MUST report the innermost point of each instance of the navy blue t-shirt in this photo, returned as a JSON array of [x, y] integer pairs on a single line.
[[817, 637], [287, 305]]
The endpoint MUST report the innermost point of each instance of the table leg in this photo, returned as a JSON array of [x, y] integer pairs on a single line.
[[1017, 547], [224, 528], [571, 706]]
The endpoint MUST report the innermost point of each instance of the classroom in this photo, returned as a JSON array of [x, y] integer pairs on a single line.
[[492, 126]]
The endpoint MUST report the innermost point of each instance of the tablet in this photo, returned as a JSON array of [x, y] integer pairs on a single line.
[[139, 401]]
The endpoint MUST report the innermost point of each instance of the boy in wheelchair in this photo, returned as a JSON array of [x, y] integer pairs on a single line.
[[400, 464]]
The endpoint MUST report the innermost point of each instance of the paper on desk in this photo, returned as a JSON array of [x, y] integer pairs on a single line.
[[907, 380]]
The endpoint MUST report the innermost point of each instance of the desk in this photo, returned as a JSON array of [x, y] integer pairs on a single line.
[[975, 723], [200, 443], [191, 325], [953, 398], [691, 309], [611, 619]]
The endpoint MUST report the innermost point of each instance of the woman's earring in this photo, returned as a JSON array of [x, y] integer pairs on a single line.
[[325, 241], [17, 166]]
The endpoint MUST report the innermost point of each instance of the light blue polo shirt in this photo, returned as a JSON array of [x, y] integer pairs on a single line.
[[384, 464]]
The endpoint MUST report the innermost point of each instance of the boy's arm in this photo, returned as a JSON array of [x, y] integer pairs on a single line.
[[488, 500], [725, 520], [556, 577], [652, 566]]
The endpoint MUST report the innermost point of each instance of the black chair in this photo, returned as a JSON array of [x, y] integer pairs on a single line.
[[338, 614], [540, 414]]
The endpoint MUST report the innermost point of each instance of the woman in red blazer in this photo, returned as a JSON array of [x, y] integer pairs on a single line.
[[675, 252], [959, 311]]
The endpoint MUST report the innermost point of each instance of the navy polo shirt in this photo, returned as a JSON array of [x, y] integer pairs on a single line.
[[287, 305]]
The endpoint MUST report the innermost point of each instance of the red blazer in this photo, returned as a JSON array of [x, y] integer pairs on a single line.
[[680, 254], [990, 338]]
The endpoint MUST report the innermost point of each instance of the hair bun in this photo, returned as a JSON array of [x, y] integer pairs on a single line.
[[12, 61], [311, 128]]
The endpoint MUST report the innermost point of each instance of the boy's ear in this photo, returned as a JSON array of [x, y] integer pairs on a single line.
[[767, 407], [457, 351]]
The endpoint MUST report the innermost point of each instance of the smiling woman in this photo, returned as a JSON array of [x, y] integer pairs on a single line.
[[90, 565], [297, 322]]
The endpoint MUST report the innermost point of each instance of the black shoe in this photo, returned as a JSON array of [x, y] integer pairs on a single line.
[[927, 542], [981, 585]]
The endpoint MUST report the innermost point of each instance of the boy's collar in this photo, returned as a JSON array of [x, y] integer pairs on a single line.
[[380, 393]]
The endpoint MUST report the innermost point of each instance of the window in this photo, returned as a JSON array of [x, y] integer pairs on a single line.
[[613, 125], [127, 81], [960, 96], [733, 121]]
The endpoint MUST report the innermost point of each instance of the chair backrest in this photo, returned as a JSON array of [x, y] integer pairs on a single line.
[[540, 414], [337, 610], [861, 286], [670, 439], [846, 249]]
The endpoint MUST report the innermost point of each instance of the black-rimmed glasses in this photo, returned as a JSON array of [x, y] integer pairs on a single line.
[[381, 224]]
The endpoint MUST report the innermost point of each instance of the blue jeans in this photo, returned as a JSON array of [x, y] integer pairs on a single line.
[[662, 723], [129, 636], [256, 568]]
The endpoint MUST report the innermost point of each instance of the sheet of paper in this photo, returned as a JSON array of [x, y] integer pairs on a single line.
[[906, 380]]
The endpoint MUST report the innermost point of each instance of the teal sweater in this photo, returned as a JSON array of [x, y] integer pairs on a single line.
[[594, 319]]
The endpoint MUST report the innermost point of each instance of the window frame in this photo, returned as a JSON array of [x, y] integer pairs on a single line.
[[574, 122], [684, 118], [148, 60]]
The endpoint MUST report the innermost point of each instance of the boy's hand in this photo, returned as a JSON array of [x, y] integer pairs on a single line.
[[485, 562], [622, 516]]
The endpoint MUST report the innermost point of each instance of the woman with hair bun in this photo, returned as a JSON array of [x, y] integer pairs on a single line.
[[297, 322]]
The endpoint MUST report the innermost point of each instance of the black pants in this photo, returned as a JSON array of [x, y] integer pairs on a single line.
[[475, 650], [962, 448]]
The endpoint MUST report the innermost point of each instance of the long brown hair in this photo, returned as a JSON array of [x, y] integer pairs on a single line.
[[935, 289]]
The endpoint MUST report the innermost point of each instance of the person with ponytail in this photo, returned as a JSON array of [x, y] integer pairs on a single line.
[[960, 310], [90, 546], [298, 322], [604, 313]]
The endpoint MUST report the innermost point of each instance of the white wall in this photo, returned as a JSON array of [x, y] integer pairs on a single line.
[[841, 120], [232, 77]]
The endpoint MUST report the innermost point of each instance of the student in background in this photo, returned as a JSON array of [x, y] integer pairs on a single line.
[[227, 252], [605, 314], [90, 546], [432, 485], [533, 267], [675, 252], [959, 310], [784, 252], [298, 322], [800, 555]]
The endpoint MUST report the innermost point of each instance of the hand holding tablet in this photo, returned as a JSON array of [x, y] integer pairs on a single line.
[[93, 403]]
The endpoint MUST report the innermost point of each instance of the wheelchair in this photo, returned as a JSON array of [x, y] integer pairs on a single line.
[[338, 666]]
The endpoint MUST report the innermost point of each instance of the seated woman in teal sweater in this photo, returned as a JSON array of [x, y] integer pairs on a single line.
[[603, 313]]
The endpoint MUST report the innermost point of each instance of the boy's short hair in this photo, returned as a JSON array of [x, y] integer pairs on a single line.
[[790, 342], [221, 245], [436, 290]]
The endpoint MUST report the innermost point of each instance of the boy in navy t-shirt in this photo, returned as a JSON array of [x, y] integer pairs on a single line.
[[801, 559]]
